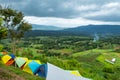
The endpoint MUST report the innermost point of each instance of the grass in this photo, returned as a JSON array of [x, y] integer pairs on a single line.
[[99, 55], [62, 51], [19, 72], [87, 52], [109, 56], [92, 63]]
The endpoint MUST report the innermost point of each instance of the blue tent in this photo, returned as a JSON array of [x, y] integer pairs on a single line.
[[12, 55], [34, 66], [42, 71]]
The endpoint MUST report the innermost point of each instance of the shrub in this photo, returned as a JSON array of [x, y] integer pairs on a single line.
[[1, 47]]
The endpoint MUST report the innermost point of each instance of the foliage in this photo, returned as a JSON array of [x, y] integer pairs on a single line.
[[3, 30], [1, 47], [117, 49], [16, 26]]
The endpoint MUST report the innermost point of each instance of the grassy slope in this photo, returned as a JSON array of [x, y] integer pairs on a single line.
[[86, 56], [94, 61], [103, 54], [62, 51], [12, 73]]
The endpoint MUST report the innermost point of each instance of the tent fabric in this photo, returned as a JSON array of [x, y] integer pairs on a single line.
[[6, 58], [26, 59], [42, 71], [74, 72], [12, 55], [38, 61], [56, 73], [10, 62], [20, 61], [34, 66], [26, 68], [4, 52]]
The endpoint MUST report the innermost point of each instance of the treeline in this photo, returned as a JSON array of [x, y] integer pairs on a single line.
[[75, 43], [35, 33]]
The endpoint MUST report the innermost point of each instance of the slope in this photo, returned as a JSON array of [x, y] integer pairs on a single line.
[[12, 73]]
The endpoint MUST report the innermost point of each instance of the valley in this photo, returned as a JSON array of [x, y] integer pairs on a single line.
[[74, 53]]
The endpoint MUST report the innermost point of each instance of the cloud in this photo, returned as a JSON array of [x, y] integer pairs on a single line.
[[86, 7], [62, 22], [56, 8], [107, 12], [86, 10], [111, 5]]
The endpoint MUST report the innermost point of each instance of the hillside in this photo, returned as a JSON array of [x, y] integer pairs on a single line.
[[95, 61], [12, 73], [101, 55], [73, 53]]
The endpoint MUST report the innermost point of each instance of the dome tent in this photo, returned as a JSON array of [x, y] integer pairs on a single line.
[[52, 72], [32, 66], [42, 71], [8, 60], [56, 73], [20, 61], [74, 72]]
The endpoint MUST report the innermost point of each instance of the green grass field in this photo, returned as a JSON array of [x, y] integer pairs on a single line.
[[103, 55], [62, 51]]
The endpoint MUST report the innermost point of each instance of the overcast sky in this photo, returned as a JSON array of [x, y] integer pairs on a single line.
[[67, 13]]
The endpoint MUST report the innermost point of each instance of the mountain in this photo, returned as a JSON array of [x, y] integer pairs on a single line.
[[100, 29], [43, 27], [88, 30]]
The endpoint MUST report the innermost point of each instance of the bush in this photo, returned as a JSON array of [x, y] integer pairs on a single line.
[[108, 70], [1, 47]]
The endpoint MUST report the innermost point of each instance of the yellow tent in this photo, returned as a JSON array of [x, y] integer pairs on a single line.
[[6, 58], [26, 68], [75, 72]]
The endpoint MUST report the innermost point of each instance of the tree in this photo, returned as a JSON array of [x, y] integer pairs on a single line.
[[3, 31], [16, 26]]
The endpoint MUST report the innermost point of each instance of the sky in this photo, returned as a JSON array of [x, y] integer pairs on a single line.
[[67, 13]]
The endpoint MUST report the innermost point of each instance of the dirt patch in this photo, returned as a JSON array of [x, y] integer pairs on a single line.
[[8, 75]]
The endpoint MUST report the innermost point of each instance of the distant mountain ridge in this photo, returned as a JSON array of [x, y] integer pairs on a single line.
[[44, 27], [89, 30], [100, 29]]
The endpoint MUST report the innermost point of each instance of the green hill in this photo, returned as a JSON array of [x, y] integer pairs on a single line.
[[12, 73], [100, 55], [94, 63]]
